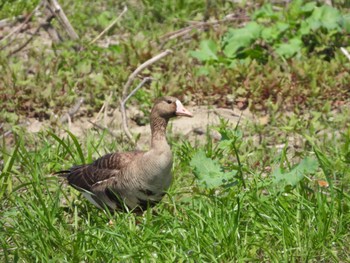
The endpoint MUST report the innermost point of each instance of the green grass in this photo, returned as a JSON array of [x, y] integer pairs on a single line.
[[43, 219]]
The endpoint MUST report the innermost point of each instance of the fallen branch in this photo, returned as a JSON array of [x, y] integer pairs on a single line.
[[123, 111], [46, 24], [57, 10], [345, 52], [72, 111], [25, 43], [18, 28], [110, 26], [198, 25]]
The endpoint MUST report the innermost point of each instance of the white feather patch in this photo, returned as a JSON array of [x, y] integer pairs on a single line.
[[91, 200], [178, 105]]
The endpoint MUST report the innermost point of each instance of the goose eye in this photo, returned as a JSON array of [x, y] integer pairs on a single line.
[[169, 101]]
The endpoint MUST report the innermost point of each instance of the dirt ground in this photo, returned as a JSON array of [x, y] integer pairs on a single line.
[[190, 128]]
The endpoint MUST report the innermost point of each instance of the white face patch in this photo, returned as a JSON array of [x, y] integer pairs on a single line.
[[179, 105]]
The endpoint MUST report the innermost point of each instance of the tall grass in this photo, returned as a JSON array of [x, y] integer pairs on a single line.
[[42, 219]]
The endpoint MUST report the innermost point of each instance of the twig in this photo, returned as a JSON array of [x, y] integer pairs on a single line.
[[46, 24], [25, 43], [345, 52], [144, 81], [110, 25], [198, 25], [104, 107], [128, 84], [16, 29], [5, 134], [72, 110], [142, 67], [123, 111], [10, 21], [57, 10]]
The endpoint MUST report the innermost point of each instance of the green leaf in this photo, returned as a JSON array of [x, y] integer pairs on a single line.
[[241, 38], [266, 13], [115, 48], [207, 51], [289, 49], [346, 23], [208, 172], [294, 9], [308, 7], [296, 174], [325, 16], [270, 34]]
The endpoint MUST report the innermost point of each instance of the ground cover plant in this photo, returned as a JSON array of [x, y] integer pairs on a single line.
[[273, 188]]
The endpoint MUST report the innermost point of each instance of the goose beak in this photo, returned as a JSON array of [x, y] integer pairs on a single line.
[[181, 110]]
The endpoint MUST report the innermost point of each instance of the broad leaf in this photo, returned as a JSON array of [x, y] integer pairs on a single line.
[[241, 38], [309, 7], [289, 49], [325, 16], [208, 172], [294, 176], [207, 51], [270, 34], [266, 13]]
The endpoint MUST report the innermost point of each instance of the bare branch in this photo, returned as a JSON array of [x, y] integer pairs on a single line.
[[123, 111], [25, 43], [57, 10], [106, 102], [199, 25], [110, 25], [18, 28], [131, 78], [142, 67], [72, 111]]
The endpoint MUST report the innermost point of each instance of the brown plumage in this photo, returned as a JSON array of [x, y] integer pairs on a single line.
[[131, 180]]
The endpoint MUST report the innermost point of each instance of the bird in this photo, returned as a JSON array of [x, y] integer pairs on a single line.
[[136, 180]]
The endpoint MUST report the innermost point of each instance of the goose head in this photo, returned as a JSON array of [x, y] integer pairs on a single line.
[[169, 107]]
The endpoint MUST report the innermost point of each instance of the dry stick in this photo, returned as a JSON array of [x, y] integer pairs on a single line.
[[196, 25], [5, 22], [6, 134], [25, 43], [144, 81], [110, 26], [55, 36], [122, 108], [45, 24], [128, 84], [72, 110], [57, 10], [345, 52], [142, 67], [16, 29], [103, 107]]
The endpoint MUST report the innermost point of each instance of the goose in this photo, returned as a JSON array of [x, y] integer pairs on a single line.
[[136, 180]]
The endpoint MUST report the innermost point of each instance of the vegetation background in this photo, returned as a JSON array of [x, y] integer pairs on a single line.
[[274, 187]]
